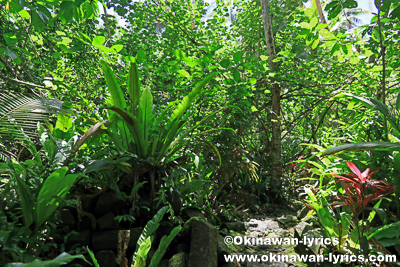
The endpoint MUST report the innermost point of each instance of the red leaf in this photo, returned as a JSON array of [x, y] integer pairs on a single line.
[[353, 168]]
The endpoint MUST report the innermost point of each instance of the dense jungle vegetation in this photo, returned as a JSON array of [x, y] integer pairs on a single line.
[[119, 115]]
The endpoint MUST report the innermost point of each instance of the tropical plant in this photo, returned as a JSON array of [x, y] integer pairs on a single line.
[[144, 242], [354, 234], [20, 114], [14, 252], [335, 227], [53, 190], [391, 114], [155, 139], [355, 193], [152, 138], [356, 186]]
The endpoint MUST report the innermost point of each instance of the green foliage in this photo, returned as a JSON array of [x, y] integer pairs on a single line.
[[53, 190], [92, 257], [181, 76], [339, 228], [20, 114], [150, 139], [149, 229], [144, 243], [164, 243]]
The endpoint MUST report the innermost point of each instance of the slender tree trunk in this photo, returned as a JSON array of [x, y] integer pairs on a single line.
[[320, 13], [107, 24], [276, 170], [383, 83]]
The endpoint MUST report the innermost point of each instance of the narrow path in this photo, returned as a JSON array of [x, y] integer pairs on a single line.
[[270, 230]]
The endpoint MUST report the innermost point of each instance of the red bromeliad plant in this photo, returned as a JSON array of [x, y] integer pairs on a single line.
[[356, 186]]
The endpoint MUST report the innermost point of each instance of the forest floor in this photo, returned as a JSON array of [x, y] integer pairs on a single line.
[[268, 226], [276, 228]]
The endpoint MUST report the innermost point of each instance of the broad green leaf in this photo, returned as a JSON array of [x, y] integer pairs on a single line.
[[253, 80], [344, 230], [146, 115], [315, 43], [331, 5], [179, 54], [98, 40], [367, 53], [117, 48], [141, 56], [375, 34], [388, 242], [313, 22], [190, 62], [134, 84], [37, 22], [54, 188], [325, 33], [188, 100], [354, 60], [334, 12], [237, 56], [27, 203], [344, 49], [105, 49], [366, 146], [135, 128], [105, 164], [24, 14], [10, 38], [11, 53], [117, 96], [373, 212], [63, 123], [43, 13], [321, 208], [387, 231], [305, 25], [236, 76], [184, 73], [225, 63], [350, 4], [351, 104], [140, 260], [149, 229], [379, 106], [162, 248], [321, 26], [87, 10]]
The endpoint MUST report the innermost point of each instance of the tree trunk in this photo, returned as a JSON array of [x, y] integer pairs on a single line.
[[320, 13], [276, 170]]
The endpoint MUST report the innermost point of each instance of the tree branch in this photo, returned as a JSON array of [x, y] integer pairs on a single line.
[[24, 83]]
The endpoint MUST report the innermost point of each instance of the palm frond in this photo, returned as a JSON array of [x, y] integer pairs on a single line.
[[20, 114]]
